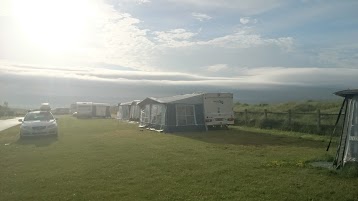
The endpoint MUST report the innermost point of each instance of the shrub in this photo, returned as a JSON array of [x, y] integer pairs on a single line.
[[304, 107]]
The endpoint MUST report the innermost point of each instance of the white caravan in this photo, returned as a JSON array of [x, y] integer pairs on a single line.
[[101, 110], [218, 109], [124, 111], [134, 112], [84, 109]]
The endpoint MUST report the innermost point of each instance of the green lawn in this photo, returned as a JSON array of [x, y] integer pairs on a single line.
[[106, 160]]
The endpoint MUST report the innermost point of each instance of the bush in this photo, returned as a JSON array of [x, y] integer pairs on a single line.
[[304, 107]]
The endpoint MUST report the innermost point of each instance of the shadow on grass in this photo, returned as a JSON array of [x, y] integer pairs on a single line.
[[38, 141], [237, 137]]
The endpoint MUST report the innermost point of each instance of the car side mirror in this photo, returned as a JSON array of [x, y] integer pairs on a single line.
[[20, 120]]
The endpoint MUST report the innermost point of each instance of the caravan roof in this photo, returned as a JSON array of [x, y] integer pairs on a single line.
[[84, 103], [103, 104], [135, 102], [170, 99], [174, 98], [347, 93], [126, 103]]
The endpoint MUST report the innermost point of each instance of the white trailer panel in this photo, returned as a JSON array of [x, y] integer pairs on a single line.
[[84, 109], [100, 109], [218, 109]]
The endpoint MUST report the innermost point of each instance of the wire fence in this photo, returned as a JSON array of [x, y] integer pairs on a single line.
[[314, 122]]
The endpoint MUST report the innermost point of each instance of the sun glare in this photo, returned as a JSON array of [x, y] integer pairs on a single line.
[[56, 26]]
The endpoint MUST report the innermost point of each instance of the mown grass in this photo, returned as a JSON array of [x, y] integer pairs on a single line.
[[105, 160], [293, 134]]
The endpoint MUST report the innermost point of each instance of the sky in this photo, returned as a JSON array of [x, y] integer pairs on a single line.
[[117, 51]]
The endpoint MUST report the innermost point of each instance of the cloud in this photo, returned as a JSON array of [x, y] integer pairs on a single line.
[[116, 37], [217, 67], [246, 39], [185, 51], [142, 1], [247, 20], [243, 38], [63, 85], [110, 37], [244, 20], [135, 2], [247, 7], [174, 37], [240, 77], [124, 41], [201, 16], [339, 55]]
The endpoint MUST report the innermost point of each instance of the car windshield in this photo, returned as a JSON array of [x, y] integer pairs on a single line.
[[40, 116]]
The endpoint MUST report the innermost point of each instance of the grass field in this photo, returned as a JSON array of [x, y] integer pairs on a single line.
[[106, 160]]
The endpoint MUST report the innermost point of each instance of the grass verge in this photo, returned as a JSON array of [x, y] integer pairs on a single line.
[[322, 138]]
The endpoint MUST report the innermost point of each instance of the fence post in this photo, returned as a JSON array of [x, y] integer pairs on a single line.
[[289, 118], [318, 120], [246, 117], [265, 113]]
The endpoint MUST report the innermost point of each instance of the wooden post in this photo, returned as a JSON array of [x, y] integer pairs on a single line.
[[246, 118], [265, 113], [318, 120], [289, 118]]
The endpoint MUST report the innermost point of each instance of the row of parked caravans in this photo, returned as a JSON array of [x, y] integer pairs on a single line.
[[90, 109], [189, 112]]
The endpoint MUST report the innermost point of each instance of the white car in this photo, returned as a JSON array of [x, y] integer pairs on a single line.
[[38, 123]]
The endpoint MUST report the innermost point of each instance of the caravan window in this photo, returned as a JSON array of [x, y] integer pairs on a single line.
[[185, 115]]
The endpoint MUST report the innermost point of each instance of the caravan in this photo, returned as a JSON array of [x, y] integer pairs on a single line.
[[84, 109], [89, 110], [188, 112], [173, 114], [218, 109], [100, 110], [134, 111], [124, 111]]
